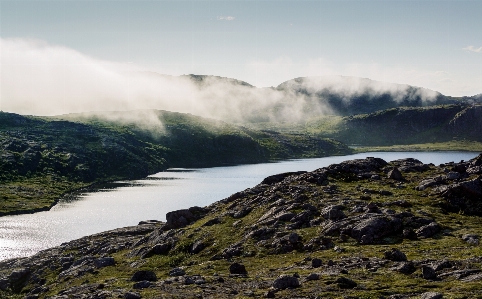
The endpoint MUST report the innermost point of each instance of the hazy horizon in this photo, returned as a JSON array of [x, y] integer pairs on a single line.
[[61, 57]]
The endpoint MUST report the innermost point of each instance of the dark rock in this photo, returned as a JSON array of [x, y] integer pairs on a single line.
[[197, 247], [285, 282], [132, 295], [316, 263], [333, 212], [273, 179], [313, 276], [405, 267], [294, 238], [395, 255], [440, 265], [177, 272], [240, 213], [428, 230], [104, 262], [142, 284], [395, 174], [431, 295], [237, 268], [144, 275], [160, 248], [428, 273], [270, 294], [409, 233], [345, 283], [4, 284], [212, 222]]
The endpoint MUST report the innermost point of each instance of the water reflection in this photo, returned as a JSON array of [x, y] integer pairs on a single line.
[[126, 203]]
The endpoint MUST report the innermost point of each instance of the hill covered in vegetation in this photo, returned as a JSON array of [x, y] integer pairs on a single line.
[[42, 158], [358, 229]]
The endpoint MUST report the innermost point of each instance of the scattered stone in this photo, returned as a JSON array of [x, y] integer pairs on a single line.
[[177, 272], [142, 284], [428, 273], [395, 174], [104, 262], [132, 295], [316, 263], [405, 267], [428, 230], [333, 212], [395, 255], [285, 282], [270, 294], [471, 239], [313, 276], [431, 295], [237, 268], [144, 275]]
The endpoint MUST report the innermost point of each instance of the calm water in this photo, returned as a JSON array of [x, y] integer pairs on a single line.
[[127, 203]]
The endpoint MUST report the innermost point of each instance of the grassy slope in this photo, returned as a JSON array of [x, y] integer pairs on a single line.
[[43, 158]]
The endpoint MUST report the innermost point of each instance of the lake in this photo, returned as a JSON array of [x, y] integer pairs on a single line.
[[128, 202]]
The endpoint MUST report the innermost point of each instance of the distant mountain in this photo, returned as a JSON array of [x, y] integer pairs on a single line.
[[351, 95], [300, 99]]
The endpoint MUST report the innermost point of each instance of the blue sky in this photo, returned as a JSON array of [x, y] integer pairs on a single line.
[[433, 44]]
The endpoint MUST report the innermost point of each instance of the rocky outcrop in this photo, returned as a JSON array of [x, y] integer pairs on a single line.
[[295, 224]]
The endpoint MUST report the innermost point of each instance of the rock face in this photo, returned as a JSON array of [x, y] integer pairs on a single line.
[[181, 218]]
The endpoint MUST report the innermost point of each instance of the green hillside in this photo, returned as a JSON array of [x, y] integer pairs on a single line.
[[42, 158]]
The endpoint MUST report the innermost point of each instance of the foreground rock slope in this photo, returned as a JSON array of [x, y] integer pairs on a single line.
[[358, 229]]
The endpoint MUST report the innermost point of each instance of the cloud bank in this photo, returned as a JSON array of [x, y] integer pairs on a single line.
[[42, 79]]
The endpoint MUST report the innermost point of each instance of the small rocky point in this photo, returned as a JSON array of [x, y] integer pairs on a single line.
[[358, 229]]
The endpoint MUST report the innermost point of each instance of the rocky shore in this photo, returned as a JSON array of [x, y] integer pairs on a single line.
[[358, 229]]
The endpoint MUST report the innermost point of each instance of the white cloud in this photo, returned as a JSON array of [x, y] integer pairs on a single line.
[[225, 18], [437, 78], [473, 49]]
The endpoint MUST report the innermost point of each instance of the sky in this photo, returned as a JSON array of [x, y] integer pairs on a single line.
[[427, 43]]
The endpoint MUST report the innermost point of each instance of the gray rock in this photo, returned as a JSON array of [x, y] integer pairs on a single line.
[[237, 268], [177, 272], [431, 295], [333, 212], [374, 228], [286, 282], [395, 255], [428, 230], [104, 262], [181, 218], [471, 239], [144, 275]]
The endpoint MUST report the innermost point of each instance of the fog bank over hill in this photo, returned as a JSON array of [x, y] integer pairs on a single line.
[[43, 79]]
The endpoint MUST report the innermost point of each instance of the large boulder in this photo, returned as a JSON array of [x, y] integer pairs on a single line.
[[184, 217], [286, 282]]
